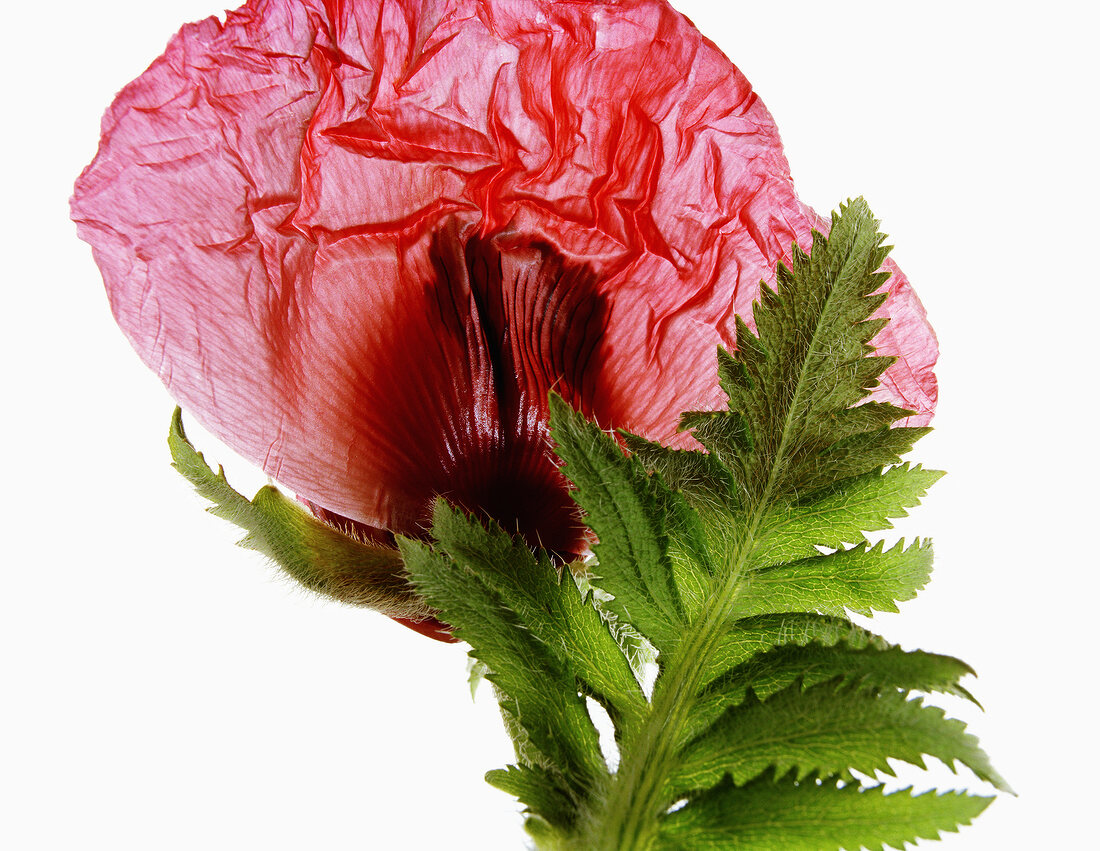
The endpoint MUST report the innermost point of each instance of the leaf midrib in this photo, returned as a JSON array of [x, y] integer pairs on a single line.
[[661, 733], [788, 418]]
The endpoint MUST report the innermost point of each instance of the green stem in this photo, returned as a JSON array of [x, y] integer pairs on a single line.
[[629, 819]]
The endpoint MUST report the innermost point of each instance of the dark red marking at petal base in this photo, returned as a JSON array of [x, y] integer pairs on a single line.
[[512, 319]]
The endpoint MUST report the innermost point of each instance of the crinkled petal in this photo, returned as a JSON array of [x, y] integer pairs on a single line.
[[275, 200]]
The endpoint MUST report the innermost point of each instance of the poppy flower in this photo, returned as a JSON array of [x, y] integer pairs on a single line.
[[361, 241]]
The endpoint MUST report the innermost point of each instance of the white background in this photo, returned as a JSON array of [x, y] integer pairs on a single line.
[[164, 690]]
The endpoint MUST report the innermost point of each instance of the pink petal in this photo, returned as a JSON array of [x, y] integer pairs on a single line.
[[288, 210]]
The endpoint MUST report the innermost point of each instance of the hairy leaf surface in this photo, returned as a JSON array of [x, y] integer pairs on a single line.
[[859, 579], [538, 688], [626, 509], [784, 815], [874, 666], [826, 730]]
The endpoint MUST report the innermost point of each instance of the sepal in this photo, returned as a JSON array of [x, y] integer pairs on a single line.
[[318, 556]]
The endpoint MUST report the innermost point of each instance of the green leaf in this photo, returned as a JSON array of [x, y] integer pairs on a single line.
[[538, 689], [540, 791], [769, 815], [791, 386], [858, 579], [749, 636], [842, 514], [549, 606], [696, 486], [826, 730], [702, 479], [727, 439], [475, 673], [855, 456], [640, 654], [811, 664], [623, 505], [876, 668], [318, 556]]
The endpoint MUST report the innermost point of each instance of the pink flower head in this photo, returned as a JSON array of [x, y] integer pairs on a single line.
[[361, 241]]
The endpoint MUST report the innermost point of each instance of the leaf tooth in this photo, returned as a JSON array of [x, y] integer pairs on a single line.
[[751, 352], [733, 378], [784, 276], [869, 328]]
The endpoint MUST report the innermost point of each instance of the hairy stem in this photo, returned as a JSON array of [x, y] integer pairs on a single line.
[[629, 819]]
